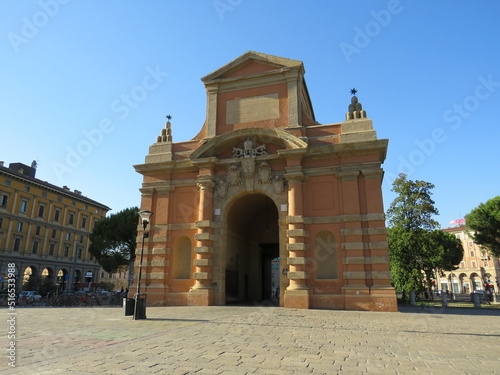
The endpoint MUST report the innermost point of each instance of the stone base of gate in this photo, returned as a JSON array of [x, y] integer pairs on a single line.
[[201, 297], [297, 299]]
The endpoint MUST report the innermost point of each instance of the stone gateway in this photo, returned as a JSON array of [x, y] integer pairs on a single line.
[[262, 184]]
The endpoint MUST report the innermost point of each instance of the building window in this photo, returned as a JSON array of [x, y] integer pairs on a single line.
[[19, 227], [24, 206], [41, 210], [81, 238], [66, 251], [68, 236], [462, 264], [1, 221], [4, 200], [59, 199], [17, 243], [44, 194], [26, 188], [84, 221], [102, 275], [38, 229], [57, 213], [52, 247], [85, 208], [80, 250], [71, 218], [54, 233], [34, 249], [474, 264], [472, 254], [73, 204], [7, 182]]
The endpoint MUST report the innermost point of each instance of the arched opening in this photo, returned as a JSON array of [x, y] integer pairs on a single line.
[[30, 279], [47, 281], [62, 278], [476, 282], [464, 282], [77, 280], [488, 285], [454, 284], [252, 245]]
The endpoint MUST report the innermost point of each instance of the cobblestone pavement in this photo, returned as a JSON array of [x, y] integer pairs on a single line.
[[252, 340]]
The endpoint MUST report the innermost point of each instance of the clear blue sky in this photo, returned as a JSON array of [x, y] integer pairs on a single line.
[[428, 74]]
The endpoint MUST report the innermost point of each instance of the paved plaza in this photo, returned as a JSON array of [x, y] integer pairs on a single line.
[[253, 340]]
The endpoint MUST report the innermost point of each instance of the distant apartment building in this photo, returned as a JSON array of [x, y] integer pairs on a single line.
[[44, 231], [477, 271]]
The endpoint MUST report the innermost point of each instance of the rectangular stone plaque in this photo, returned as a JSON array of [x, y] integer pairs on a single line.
[[255, 108]]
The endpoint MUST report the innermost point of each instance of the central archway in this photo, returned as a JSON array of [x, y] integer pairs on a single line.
[[252, 242]]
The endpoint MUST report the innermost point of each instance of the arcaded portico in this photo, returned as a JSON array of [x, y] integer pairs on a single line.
[[264, 180]]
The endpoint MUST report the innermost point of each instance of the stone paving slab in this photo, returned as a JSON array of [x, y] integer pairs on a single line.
[[252, 340]]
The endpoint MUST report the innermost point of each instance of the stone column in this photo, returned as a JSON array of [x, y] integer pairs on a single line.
[[297, 295], [201, 294]]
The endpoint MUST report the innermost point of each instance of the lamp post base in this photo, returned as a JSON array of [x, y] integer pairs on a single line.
[[140, 308]]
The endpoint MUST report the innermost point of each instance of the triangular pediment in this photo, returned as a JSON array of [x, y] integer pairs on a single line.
[[252, 63]]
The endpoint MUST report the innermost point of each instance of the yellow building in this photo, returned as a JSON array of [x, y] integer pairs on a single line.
[[44, 231], [121, 279], [477, 271]]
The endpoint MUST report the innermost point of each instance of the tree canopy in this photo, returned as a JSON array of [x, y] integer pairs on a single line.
[[484, 224], [416, 247], [113, 239], [413, 208]]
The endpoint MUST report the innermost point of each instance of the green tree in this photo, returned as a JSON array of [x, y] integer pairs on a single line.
[[416, 247], [113, 239], [484, 224], [413, 208], [440, 251], [405, 270]]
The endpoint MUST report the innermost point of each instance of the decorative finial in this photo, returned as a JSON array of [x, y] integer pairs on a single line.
[[355, 109], [166, 133]]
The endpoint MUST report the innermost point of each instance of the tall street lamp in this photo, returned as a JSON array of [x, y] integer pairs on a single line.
[[140, 303]]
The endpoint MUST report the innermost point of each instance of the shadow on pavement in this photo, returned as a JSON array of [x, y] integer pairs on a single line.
[[448, 310]]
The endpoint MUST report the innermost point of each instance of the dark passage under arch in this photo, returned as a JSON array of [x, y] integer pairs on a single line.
[[252, 244]]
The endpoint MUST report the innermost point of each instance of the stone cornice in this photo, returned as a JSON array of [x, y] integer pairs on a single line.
[[348, 149], [165, 167]]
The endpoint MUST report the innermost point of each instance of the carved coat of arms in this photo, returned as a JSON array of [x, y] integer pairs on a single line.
[[233, 175], [264, 176]]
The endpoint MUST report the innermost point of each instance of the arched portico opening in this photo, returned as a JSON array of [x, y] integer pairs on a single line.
[[30, 278], [47, 284], [251, 243], [62, 279], [475, 282]]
